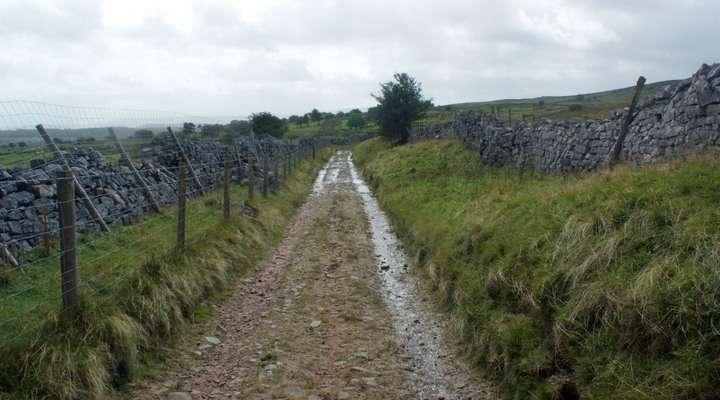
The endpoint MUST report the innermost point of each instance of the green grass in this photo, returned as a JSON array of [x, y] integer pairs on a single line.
[[592, 105], [316, 129], [137, 292], [607, 282]]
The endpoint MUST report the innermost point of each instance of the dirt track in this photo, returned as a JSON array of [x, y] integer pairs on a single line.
[[329, 314]]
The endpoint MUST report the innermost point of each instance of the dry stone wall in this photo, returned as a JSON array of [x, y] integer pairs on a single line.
[[684, 118], [28, 195]]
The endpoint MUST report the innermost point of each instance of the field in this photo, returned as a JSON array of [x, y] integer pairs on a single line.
[[21, 156], [337, 128], [584, 106], [603, 285]]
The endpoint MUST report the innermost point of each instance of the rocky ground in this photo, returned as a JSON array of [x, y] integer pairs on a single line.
[[313, 321]]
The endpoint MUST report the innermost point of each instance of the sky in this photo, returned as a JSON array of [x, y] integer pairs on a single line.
[[236, 57]]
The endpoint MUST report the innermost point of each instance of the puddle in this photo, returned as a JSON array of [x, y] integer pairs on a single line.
[[319, 184]]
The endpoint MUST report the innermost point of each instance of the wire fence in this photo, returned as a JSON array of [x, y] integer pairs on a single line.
[[79, 213]]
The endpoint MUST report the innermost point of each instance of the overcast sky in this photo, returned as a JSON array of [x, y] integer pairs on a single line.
[[234, 57]]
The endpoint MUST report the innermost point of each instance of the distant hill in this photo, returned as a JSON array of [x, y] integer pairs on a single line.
[[32, 136], [581, 106]]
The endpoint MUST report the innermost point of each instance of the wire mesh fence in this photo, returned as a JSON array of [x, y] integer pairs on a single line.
[[57, 159]]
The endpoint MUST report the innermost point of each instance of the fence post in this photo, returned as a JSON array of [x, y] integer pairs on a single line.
[[276, 169], [182, 199], [617, 148], [9, 256], [313, 150], [68, 258], [286, 162], [186, 160], [138, 178], [265, 175], [47, 237], [251, 177], [226, 194], [78, 187]]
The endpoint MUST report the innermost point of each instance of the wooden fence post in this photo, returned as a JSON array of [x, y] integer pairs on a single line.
[[138, 178], [286, 162], [266, 180], [251, 177], [226, 190], [276, 169], [186, 160], [9, 256], [182, 199], [78, 187], [617, 148], [68, 258], [47, 237]]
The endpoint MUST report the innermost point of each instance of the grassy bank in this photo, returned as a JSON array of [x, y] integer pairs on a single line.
[[605, 286], [138, 292]]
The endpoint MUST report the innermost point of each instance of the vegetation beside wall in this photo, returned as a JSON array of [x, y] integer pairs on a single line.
[[597, 286]]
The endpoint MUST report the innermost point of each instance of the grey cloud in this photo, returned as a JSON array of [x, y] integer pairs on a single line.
[[290, 56]]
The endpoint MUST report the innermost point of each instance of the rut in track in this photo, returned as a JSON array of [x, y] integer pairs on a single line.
[[331, 313]]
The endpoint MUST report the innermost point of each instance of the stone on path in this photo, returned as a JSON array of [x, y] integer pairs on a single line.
[[179, 396], [212, 340], [315, 324]]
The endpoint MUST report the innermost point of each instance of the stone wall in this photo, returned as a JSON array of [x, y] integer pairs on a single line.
[[28, 195], [684, 118]]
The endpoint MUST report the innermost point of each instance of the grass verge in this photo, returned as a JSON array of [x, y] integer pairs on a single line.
[[136, 294], [598, 286]]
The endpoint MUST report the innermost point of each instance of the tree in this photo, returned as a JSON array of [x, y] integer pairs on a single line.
[[356, 120], [239, 128], [329, 126], [143, 134], [372, 113], [265, 123], [212, 130], [188, 129], [315, 115], [400, 103]]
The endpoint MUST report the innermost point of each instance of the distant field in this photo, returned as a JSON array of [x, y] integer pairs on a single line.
[[321, 129], [582, 106], [21, 156]]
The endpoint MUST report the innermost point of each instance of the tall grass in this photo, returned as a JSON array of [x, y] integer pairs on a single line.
[[602, 286], [121, 327]]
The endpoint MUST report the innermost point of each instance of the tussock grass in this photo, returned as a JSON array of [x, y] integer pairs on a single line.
[[603, 285], [121, 329]]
